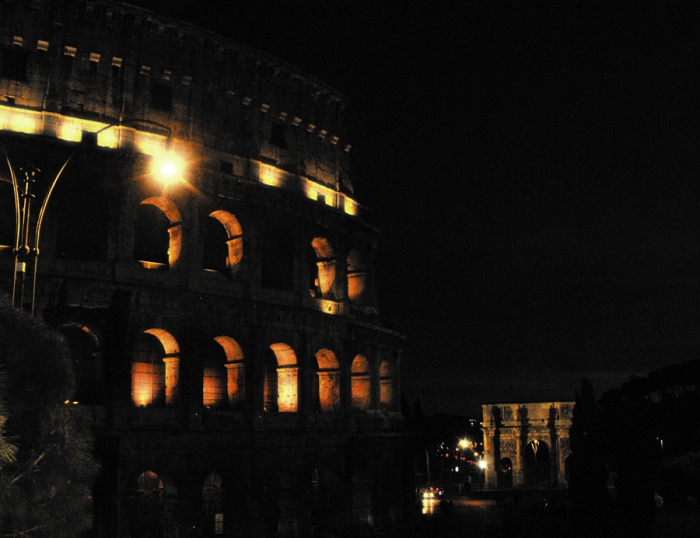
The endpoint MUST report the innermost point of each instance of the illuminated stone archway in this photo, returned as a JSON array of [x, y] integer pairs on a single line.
[[158, 233], [281, 387], [88, 361], [357, 277], [533, 436], [155, 369], [324, 272], [223, 252], [360, 384], [328, 380], [233, 375], [152, 502], [386, 385], [223, 373]]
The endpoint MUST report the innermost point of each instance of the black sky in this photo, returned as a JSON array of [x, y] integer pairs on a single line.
[[534, 169]]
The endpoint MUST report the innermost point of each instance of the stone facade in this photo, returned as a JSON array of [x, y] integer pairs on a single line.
[[229, 349], [526, 445]]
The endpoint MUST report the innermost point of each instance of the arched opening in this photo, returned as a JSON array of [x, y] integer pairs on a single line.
[[536, 464], [157, 233], [213, 505], [223, 243], [81, 229], [386, 385], [235, 370], [357, 277], [322, 270], [214, 392], [87, 360], [155, 369], [360, 384], [504, 479], [281, 380], [328, 380], [153, 507]]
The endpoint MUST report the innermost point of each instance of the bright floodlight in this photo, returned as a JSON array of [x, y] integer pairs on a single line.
[[482, 464], [167, 167]]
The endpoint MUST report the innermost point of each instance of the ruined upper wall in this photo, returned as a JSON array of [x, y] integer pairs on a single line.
[[115, 62]]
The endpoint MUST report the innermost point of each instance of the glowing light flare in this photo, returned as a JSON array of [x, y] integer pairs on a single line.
[[167, 167], [482, 464]]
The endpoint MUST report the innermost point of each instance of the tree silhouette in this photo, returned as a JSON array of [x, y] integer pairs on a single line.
[[587, 469], [45, 484]]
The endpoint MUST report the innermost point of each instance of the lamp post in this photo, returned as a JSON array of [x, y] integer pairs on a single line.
[[26, 246]]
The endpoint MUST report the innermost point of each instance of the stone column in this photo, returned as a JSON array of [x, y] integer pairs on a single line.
[[236, 382], [172, 379], [491, 470]]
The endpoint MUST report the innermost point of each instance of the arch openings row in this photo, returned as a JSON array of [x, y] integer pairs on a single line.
[[156, 380], [158, 244]]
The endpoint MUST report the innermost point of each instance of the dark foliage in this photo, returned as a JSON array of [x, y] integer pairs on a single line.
[[587, 470], [631, 426], [46, 490]]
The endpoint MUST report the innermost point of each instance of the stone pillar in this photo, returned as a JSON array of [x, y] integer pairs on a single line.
[[236, 382], [328, 393], [518, 472], [491, 470], [172, 379], [287, 389]]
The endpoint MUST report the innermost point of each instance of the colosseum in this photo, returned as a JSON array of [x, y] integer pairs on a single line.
[[222, 308]]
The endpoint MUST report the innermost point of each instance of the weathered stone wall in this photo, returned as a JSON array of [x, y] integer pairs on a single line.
[[226, 330], [526, 444]]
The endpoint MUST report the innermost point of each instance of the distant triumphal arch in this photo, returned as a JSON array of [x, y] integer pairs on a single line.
[[526, 445]]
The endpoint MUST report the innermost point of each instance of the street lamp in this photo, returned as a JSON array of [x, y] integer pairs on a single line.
[[165, 165]]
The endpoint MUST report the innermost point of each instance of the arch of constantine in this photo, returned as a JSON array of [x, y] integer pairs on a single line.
[[526, 445]]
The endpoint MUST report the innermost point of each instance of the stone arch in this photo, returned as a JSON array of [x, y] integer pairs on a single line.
[[505, 473], [282, 380], [235, 370], [386, 385], [157, 233], [328, 380], [88, 361], [322, 269], [223, 243], [155, 369], [213, 504], [214, 376], [152, 502], [537, 463], [357, 276], [360, 384]]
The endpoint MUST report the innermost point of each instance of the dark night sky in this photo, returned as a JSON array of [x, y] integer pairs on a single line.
[[534, 169]]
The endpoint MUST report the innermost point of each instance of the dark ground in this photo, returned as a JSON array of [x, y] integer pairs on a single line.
[[531, 517]]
